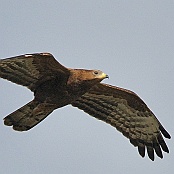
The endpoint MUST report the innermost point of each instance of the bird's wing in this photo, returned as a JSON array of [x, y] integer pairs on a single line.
[[30, 70], [125, 111]]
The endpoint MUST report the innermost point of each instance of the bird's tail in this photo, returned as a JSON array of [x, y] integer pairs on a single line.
[[28, 115]]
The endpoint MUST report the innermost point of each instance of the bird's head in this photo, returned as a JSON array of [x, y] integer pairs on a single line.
[[87, 78], [97, 75]]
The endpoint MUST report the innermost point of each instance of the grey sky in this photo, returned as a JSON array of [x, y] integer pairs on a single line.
[[132, 41]]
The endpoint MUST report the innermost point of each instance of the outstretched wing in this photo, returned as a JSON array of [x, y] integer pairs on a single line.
[[125, 111], [30, 70]]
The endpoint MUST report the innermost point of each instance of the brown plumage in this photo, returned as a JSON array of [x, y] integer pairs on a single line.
[[55, 86]]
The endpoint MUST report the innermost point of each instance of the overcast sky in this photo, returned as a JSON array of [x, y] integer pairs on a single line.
[[131, 41]]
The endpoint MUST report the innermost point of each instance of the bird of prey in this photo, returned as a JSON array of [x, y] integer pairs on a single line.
[[55, 86]]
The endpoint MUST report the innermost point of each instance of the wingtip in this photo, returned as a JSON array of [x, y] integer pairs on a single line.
[[141, 150], [164, 132]]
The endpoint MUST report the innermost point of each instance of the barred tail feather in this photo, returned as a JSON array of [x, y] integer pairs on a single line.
[[28, 116]]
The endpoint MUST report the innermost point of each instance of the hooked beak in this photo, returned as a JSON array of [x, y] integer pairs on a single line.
[[104, 76], [107, 76]]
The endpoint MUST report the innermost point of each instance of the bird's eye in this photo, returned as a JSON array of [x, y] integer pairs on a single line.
[[95, 72]]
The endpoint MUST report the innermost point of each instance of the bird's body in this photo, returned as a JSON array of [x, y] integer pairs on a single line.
[[59, 92], [55, 86]]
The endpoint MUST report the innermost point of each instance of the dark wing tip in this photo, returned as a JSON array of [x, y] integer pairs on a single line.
[[141, 150], [164, 132], [158, 151], [162, 143], [150, 152], [157, 147]]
